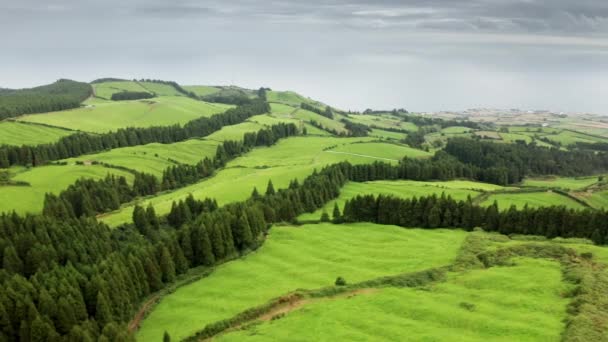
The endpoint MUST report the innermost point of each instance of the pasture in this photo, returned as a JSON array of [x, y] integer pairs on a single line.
[[523, 302], [155, 158], [292, 158], [200, 90], [18, 134], [382, 121], [105, 90], [566, 183], [532, 199], [108, 116], [47, 179], [310, 257]]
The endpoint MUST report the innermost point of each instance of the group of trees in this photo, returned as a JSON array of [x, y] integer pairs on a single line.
[[445, 212], [80, 280], [131, 95], [81, 143], [63, 94], [327, 112], [88, 197], [356, 129], [514, 161]]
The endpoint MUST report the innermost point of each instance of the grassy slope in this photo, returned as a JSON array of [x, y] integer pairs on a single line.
[[405, 189], [520, 303], [16, 133], [534, 199], [291, 158], [105, 116], [303, 257], [106, 89], [569, 183], [382, 121], [46, 179], [381, 150], [155, 158], [309, 116], [202, 90]]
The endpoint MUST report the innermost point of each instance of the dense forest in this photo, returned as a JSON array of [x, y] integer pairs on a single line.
[[79, 144], [63, 94], [131, 95]]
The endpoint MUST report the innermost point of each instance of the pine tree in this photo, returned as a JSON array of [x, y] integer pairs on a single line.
[[324, 216], [12, 263], [337, 216], [166, 337], [140, 219], [103, 314], [270, 188], [167, 267], [255, 194]]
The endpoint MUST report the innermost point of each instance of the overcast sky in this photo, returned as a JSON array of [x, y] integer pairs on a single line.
[[420, 55]]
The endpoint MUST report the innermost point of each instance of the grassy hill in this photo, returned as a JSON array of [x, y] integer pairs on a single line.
[[305, 257]]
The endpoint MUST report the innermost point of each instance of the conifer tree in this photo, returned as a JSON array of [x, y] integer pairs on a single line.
[[337, 216], [324, 216], [270, 188], [166, 337], [167, 267], [103, 314]]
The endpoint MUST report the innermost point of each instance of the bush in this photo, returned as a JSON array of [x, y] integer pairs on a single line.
[[340, 281]]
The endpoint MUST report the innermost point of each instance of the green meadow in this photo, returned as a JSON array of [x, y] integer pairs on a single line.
[[47, 179], [459, 190], [105, 90], [523, 302], [567, 183], [292, 158], [382, 121], [385, 151], [155, 158], [532, 199], [309, 256], [17, 133], [111, 115], [200, 90]]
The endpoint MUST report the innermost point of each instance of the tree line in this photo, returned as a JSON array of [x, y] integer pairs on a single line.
[[327, 112], [61, 95], [445, 212], [81, 143], [131, 95], [77, 279], [88, 197]]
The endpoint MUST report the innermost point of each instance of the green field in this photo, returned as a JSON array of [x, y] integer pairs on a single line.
[[320, 119], [299, 257], [519, 303], [291, 98], [295, 157], [200, 90], [47, 179], [567, 183], [597, 199], [532, 199], [384, 151], [382, 121], [106, 89], [514, 137], [405, 189], [109, 115], [155, 158], [17, 133], [569, 138], [456, 130], [387, 134]]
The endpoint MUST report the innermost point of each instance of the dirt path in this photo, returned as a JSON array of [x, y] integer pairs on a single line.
[[141, 314], [289, 304]]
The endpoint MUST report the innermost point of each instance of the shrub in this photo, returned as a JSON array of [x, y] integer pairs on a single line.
[[340, 281]]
